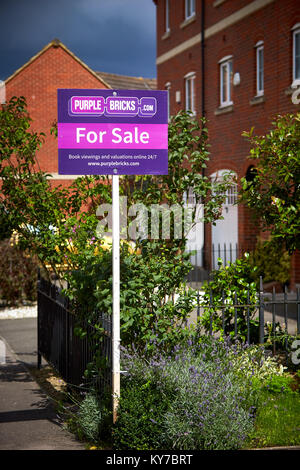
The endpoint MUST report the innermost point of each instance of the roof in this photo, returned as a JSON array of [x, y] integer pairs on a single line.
[[125, 82], [57, 43], [109, 80]]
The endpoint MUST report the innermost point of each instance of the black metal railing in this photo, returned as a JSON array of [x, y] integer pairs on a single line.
[[277, 314], [65, 350], [205, 260]]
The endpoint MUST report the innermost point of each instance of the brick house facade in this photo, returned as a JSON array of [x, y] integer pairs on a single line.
[[233, 61]]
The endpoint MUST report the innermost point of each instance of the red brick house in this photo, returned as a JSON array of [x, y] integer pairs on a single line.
[[234, 62], [55, 66]]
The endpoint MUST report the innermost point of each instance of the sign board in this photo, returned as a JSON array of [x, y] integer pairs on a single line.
[[117, 132]]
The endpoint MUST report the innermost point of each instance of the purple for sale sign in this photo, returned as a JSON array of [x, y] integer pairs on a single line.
[[123, 132]]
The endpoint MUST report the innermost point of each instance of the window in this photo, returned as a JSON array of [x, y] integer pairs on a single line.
[[189, 8], [224, 234], [296, 53], [167, 16], [259, 68], [226, 81], [190, 92], [168, 88]]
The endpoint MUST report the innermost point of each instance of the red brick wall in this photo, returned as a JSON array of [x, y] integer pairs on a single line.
[[38, 82], [272, 24], [295, 278]]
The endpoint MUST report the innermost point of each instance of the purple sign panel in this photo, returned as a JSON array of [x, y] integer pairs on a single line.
[[123, 132]]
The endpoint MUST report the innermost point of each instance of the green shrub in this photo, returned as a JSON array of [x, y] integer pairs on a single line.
[[273, 262], [89, 417], [255, 365], [231, 284], [18, 274], [141, 413], [154, 301]]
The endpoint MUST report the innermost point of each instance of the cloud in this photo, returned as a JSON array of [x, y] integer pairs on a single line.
[[110, 35]]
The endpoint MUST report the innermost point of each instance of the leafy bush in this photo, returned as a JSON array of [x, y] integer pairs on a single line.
[[141, 413], [272, 262], [154, 301], [253, 363], [230, 285], [194, 398], [5, 225], [89, 417], [18, 274], [273, 193]]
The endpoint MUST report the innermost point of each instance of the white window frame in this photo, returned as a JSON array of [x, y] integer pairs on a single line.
[[190, 9], [168, 89], [296, 32], [167, 16], [226, 63], [189, 79], [260, 70]]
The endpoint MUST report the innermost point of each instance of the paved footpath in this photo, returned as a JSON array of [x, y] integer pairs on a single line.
[[28, 419]]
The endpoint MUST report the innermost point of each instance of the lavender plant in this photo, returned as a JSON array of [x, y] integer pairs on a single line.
[[202, 401]]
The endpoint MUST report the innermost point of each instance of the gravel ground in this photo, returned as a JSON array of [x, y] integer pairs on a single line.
[[18, 312]]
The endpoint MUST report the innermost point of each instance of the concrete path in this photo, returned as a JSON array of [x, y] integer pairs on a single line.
[[28, 420]]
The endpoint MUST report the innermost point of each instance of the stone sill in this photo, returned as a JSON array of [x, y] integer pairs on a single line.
[[289, 91], [224, 110], [188, 21], [257, 100], [218, 2], [166, 35]]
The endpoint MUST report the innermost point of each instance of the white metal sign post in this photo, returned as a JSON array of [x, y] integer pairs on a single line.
[[116, 295]]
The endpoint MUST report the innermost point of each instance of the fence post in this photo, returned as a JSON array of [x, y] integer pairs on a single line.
[[39, 356], [261, 311], [285, 317], [235, 315], [274, 320], [298, 311]]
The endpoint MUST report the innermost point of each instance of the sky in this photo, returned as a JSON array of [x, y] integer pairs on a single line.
[[116, 36]]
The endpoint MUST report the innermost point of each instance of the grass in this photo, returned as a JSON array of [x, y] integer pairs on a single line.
[[277, 421]]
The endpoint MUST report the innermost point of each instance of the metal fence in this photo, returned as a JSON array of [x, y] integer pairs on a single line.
[[205, 260], [277, 315], [68, 353]]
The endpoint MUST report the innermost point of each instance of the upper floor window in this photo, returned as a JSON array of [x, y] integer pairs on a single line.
[[226, 81], [189, 9], [296, 52], [259, 68], [167, 16], [190, 92]]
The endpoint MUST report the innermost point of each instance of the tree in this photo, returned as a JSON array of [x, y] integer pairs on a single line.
[[273, 190], [29, 205]]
